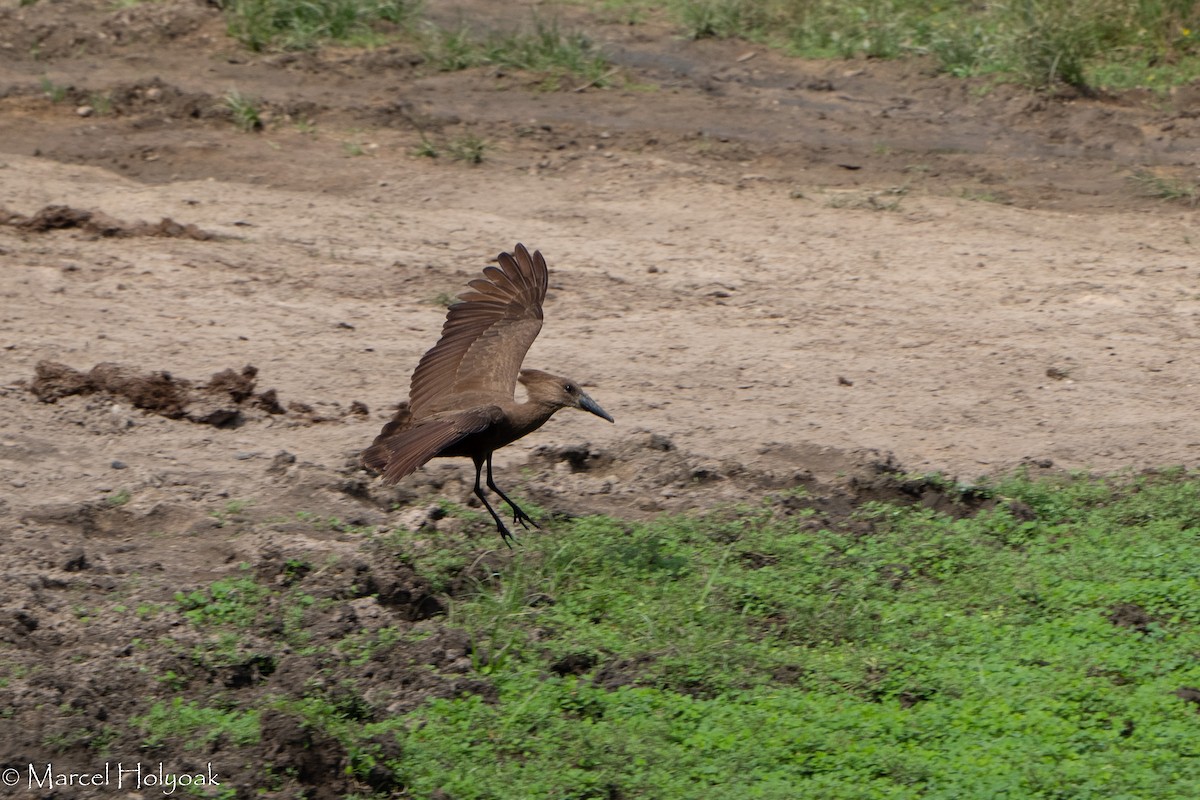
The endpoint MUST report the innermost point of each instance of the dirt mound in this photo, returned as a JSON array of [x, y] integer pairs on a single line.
[[97, 223], [220, 401]]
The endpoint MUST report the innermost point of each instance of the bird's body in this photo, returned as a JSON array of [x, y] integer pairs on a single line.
[[461, 397]]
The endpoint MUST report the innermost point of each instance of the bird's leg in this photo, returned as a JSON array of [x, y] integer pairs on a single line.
[[518, 515], [500, 526]]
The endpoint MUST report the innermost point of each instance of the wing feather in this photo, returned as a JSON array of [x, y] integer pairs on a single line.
[[486, 335], [403, 445]]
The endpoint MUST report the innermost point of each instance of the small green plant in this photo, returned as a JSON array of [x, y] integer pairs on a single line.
[[196, 725], [229, 601], [451, 50], [237, 506], [118, 498], [244, 110], [1171, 189], [101, 103], [232, 508], [56, 92], [468, 148], [425, 149], [353, 149], [172, 680]]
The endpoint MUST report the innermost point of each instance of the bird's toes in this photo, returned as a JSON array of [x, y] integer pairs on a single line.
[[507, 537], [524, 520]]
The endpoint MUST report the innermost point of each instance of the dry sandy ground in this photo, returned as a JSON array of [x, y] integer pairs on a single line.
[[788, 270]]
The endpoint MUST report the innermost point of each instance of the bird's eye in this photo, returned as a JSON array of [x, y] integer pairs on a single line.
[[569, 388]]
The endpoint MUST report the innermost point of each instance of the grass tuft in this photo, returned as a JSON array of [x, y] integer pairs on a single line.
[[545, 50], [468, 148], [303, 24], [245, 111], [1171, 189]]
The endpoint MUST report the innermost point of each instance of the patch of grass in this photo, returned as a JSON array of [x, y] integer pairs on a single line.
[[245, 111], [722, 19], [98, 740], [197, 726], [55, 92], [291, 25], [237, 506], [1171, 189], [360, 646], [545, 50], [231, 509], [426, 148], [118, 498], [1037, 42], [749, 654], [101, 103], [229, 601], [468, 148], [886, 200]]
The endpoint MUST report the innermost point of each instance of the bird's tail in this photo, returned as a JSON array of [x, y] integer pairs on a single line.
[[400, 453], [375, 458]]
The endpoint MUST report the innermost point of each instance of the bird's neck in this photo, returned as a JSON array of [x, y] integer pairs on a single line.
[[531, 414]]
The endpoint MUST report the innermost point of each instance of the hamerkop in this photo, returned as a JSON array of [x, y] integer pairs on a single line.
[[460, 399]]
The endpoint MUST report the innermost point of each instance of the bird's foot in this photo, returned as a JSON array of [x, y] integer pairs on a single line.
[[505, 534], [524, 519]]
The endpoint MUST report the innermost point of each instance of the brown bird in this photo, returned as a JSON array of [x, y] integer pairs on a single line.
[[460, 399]]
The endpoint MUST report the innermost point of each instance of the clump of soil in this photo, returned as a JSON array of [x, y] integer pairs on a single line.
[[218, 402], [97, 223]]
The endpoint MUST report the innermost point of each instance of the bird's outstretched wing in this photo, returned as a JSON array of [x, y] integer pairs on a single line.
[[396, 453], [486, 335]]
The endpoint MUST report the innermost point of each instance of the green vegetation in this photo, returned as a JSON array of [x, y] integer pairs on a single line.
[[244, 110], [54, 91], [230, 601], [1032, 650], [1040, 642], [1041, 43], [1114, 43], [1175, 189], [427, 149], [101, 103], [468, 148], [292, 25], [196, 726], [546, 50]]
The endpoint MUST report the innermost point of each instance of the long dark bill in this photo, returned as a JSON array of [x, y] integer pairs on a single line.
[[588, 404]]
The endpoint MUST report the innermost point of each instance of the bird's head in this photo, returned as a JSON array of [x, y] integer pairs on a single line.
[[559, 392]]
